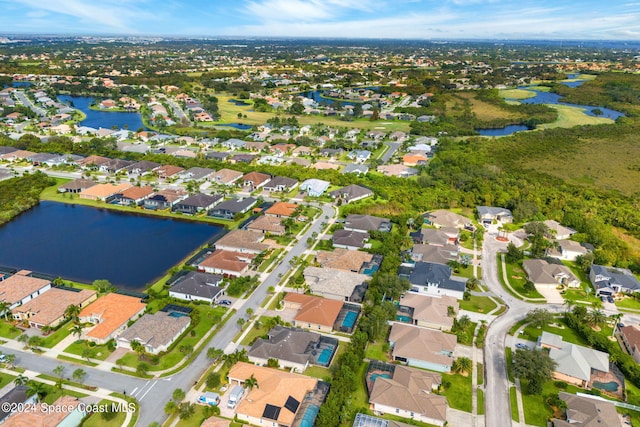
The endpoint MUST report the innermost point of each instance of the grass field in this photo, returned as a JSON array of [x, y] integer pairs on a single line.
[[483, 110], [514, 404], [478, 304], [569, 117], [517, 93], [536, 409], [459, 392]]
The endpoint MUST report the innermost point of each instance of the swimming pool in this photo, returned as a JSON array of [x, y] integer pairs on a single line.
[[405, 319], [325, 356], [610, 386], [309, 417], [349, 319], [177, 314], [375, 376]]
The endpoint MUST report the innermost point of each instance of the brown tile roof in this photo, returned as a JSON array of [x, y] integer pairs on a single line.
[[242, 240], [137, 193], [283, 209], [43, 417], [269, 224], [227, 176], [343, 259], [171, 195], [18, 154], [227, 260], [77, 184], [156, 329], [256, 177], [632, 335], [215, 422], [431, 309], [274, 388], [316, 310], [20, 285], [413, 342], [326, 165], [50, 306], [93, 160], [168, 170], [102, 191], [114, 311]]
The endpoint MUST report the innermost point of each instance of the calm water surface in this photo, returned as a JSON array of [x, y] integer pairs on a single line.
[[103, 119]]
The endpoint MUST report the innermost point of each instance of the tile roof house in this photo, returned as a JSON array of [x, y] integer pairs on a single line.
[[544, 274], [268, 224], [587, 411], [293, 348], [428, 312], [315, 187], [197, 286], [49, 307], [365, 223], [326, 166], [351, 193], [422, 348], [197, 174], [281, 209], [444, 218], [433, 279], [400, 171], [276, 400], [488, 214], [610, 280], [336, 284], [281, 183], [255, 180], [575, 363], [226, 176], [92, 161], [22, 288], [132, 196], [559, 231], [155, 331], [164, 199], [313, 313], [110, 314], [343, 259], [244, 241], [629, 336], [168, 171], [76, 186], [567, 250], [197, 203], [227, 263], [103, 191], [16, 395], [435, 254], [437, 236], [408, 394], [232, 207], [351, 240], [71, 412], [414, 159]]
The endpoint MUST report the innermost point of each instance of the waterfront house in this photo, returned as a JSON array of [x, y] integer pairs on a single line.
[[110, 314], [156, 332]]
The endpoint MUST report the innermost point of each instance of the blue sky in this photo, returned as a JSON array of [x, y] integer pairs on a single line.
[[429, 19]]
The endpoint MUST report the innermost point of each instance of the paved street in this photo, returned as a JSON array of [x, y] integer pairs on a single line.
[[27, 103], [393, 147]]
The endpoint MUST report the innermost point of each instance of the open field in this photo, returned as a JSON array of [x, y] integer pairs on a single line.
[[573, 116], [517, 93], [485, 111]]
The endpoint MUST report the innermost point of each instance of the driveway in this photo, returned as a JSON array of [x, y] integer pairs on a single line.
[[551, 294]]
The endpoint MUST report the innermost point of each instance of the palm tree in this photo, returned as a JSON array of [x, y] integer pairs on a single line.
[[615, 319], [4, 309], [596, 317], [251, 382], [72, 312], [569, 303], [37, 389], [9, 359], [462, 365], [21, 380], [76, 330]]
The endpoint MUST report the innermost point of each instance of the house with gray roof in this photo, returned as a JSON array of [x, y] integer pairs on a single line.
[[358, 169], [315, 187], [610, 280], [433, 279], [234, 144], [197, 203], [559, 231], [281, 183], [197, 173], [575, 363], [348, 239], [197, 286], [336, 284], [366, 223], [435, 254], [567, 250], [489, 214], [444, 218], [359, 156], [544, 274], [142, 167], [76, 186], [156, 332], [587, 411], [351, 193], [229, 208]]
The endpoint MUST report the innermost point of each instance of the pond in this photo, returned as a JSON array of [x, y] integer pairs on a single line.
[[553, 98], [239, 103], [507, 130], [238, 126], [84, 244], [318, 96], [103, 119]]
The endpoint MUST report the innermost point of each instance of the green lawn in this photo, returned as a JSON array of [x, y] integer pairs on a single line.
[[567, 334], [258, 330], [5, 379], [478, 304], [509, 357], [75, 360], [536, 410], [517, 278], [8, 330], [480, 402], [480, 370], [57, 336], [98, 420], [467, 272], [459, 392], [99, 352], [318, 372], [377, 350], [514, 404], [628, 302]]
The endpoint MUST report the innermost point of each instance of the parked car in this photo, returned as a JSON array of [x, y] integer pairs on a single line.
[[522, 346], [610, 299], [224, 302]]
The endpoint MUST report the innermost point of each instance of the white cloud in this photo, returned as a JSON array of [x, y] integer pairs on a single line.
[[301, 10]]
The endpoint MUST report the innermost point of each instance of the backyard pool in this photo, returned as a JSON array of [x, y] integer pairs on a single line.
[[405, 319], [349, 319], [610, 386], [309, 417]]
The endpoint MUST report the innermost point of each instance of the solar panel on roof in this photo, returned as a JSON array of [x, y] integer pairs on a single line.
[[292, 404], [272, 412]]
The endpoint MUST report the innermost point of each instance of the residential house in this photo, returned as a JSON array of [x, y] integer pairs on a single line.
[[233, 144], [277, 399], [351, 193], [336, 284], [17, 155], [437, 236], [281, 183], [559, 231], [363, 420], [609, 280], [103, 191], [351, 240], [232, 207], [587, 411], [197, 286], [255, 145], [268, 225], [156, 332], [314, 187], [21, 288], [399, 171], [226, 263], [164, 199], [575, 363], [429, 312], [488, 214], [132, 196], [344, 259], [366, 223], [567, 250], [15, 396], [409, 394], [168, 171], [446, 219], [313, 313], [282, 209], [76, 186], [629, 336], [226, 176], [543, 274], [433, 279], [110, 314], [49, 307], [64, 411], [281, 149], [242, 158], [115, 166], [242, 241], [197, 174], [326, 166], [142, 167], [92, 161], [197, 203], [359, 156], [39, 158], [220, 156], [302, 151], [334, 153], [358, 169], [254, 180], [422, 348], [293, 349], [435, 254], [414, 159]]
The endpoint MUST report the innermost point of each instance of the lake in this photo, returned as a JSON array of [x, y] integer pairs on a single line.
[[318, 96], [83, 244], [103, 119], [507, 130], [238, 126]]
